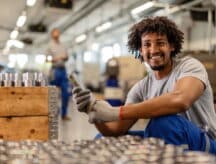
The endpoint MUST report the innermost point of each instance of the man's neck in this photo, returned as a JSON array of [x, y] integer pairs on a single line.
[[56, 40], [163, 73]]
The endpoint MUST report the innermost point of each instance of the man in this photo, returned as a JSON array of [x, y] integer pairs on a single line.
[[176, 95], [58, 71]]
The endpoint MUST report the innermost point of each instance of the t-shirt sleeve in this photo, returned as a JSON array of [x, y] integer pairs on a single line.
[[134, 95], [193, 68]]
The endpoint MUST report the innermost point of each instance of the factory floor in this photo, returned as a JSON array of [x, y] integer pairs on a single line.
[[78, 128]]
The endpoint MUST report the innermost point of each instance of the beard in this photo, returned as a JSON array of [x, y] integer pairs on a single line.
[[159, 67]]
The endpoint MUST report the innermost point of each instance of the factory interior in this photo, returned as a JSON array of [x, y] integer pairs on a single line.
[[42, 120]]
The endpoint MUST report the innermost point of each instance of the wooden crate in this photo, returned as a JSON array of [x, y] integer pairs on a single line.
[[28, 113]]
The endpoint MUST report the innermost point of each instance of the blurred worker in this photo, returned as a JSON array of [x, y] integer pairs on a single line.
[[58, 72], [176, 95], [113, 93]]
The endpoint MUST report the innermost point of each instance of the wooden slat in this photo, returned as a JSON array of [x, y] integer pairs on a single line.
[[22, 128], [23, 101]]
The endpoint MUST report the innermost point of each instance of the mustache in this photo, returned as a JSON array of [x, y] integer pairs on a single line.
[[149, 55]]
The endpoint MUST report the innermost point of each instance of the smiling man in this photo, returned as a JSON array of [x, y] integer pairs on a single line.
[[176, 95]]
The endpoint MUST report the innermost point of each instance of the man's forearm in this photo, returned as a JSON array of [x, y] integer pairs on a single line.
[[107, 129], [114, 128], [162, 105]]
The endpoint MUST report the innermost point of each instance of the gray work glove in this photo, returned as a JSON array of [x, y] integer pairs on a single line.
[[83, 98], [102, 111]]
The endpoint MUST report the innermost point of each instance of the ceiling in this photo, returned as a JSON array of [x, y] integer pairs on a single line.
[[84, 17]]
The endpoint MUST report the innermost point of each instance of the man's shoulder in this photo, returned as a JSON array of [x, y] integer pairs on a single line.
[[187, 60]]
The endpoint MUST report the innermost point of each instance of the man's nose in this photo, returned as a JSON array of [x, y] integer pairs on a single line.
[[154, 48]]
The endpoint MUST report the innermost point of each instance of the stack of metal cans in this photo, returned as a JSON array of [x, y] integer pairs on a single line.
[[25, 79], [108, 150]]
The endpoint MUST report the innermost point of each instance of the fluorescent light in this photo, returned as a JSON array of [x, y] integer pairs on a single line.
[[21, 60], [15, 43], [40, 59], [106, 53], [116, 49], [95, 46], [30, 2], [14, 34], [141, 8], [80, 38], [12, 58], [21, 20], [87, 57], [104, 27]]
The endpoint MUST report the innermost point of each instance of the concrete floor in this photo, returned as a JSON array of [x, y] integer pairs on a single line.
[[78, 128]]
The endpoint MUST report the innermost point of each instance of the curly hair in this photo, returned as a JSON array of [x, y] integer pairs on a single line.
[[160, 25]]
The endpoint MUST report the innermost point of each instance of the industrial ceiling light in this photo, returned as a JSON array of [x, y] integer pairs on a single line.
[[30, 2], [80, 38], [95, 46], [14, 34], [103, 27], [21, 20], [40, 59], [15, 43], [21, 60], [143, 7]]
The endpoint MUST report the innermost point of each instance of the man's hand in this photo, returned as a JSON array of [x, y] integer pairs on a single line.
[[83, 99], [103, 112]]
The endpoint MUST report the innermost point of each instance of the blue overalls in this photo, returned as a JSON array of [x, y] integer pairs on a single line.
[[177, 130], [61, 81]]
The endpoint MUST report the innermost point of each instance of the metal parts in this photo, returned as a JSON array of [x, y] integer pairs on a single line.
[[25, 80], [108, 150]]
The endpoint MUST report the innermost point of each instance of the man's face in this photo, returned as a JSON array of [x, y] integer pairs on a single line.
[[156, 50], [55, 34]]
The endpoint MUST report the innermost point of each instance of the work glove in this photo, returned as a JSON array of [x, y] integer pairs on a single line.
[[102, 111], [83, 99]]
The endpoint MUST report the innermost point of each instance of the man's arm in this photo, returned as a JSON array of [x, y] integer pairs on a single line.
[[186, 91], [83, 98], [115, 128]]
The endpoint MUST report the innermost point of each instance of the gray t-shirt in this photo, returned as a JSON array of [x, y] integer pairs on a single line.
[[201, 112], [57, 49]]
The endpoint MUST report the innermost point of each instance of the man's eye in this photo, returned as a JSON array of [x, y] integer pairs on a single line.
[[146, 45], [161, 43]]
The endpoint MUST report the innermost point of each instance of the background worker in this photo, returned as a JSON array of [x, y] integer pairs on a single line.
[[113, 93], [58, 74], [176, 95]]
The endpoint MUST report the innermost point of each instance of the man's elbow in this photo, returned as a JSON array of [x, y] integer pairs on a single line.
[[182, 103]]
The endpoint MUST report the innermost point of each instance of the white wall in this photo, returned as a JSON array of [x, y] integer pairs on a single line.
[[199, 39]]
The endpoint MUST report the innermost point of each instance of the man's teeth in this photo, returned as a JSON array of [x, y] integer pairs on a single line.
[[156, 57]]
